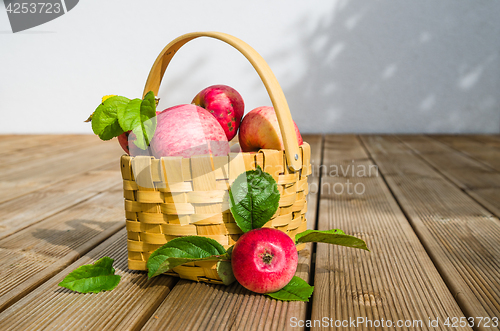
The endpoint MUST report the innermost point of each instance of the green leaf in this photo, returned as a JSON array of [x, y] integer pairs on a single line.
[[94, 278], [296, 290], [182, 250], [334, 236], [140, 117], [104, 120], [225, 272], [253, 199], [230, 251]]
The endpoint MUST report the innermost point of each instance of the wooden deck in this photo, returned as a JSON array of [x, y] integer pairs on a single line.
[[427, 206]]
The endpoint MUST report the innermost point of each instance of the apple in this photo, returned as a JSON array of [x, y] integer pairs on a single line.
[[187, 130], [126, 140], [264, 260], [260, 130], [123, 140], [225, 104]]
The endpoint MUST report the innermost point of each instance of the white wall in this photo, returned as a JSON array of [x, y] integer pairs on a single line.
[[345, 66]]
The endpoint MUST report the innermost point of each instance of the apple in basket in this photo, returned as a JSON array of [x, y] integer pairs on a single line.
[[188, 130], [225, 104], [260, 129], [126, 140], [264, 260]]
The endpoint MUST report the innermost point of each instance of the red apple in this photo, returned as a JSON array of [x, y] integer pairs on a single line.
[[225, 103], [126, 142], [123, 140], [260, 129], [264, 260], [188, 130]]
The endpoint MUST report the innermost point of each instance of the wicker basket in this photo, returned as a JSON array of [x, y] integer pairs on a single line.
[[189, 196]]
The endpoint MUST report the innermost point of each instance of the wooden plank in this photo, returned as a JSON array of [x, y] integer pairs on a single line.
[[489, 139], [11, 143], [20, 179], [487, 193], [460, 236], [57, 162], [485, 153], [33, 255], [464, 171], [489, 198], [127, 307], [396, 281], [47, 146], [478, 180], [38, 205], [197, 306]]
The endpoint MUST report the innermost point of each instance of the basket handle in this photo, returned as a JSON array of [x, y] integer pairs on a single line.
[[271, 83]]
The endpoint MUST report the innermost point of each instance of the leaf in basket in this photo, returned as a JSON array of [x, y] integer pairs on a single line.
[[140, 117], [334, 236], [253, 199], [182, 250], [225, 272], [94, 278], [104, 120], [296, 290]]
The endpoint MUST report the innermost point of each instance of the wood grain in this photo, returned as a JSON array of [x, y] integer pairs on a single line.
[[12, 144], [51, 307], [464, 171], [20, 179], [396, 280], [475, 148], [478, 180], [46, 145], [33, 255], [489, 139], [460, 236], [33, 207]]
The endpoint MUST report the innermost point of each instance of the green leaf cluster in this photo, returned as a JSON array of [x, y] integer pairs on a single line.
[[119, 114], [93, 278]]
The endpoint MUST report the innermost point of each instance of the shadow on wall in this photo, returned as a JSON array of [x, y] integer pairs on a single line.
[[398, 66]]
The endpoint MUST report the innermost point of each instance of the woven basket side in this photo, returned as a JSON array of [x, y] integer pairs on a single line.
[[183, 197]]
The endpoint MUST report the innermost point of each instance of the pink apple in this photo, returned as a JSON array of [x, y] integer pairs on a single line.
[[225, 103], [188, 130], [264, 260], [260, 129]]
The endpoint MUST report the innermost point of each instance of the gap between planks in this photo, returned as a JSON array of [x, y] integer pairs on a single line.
[[36, 206], [477, 179], [481, 149], [17, 180], [396, 280], [459, 235], [124, 308], [33, 255]]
